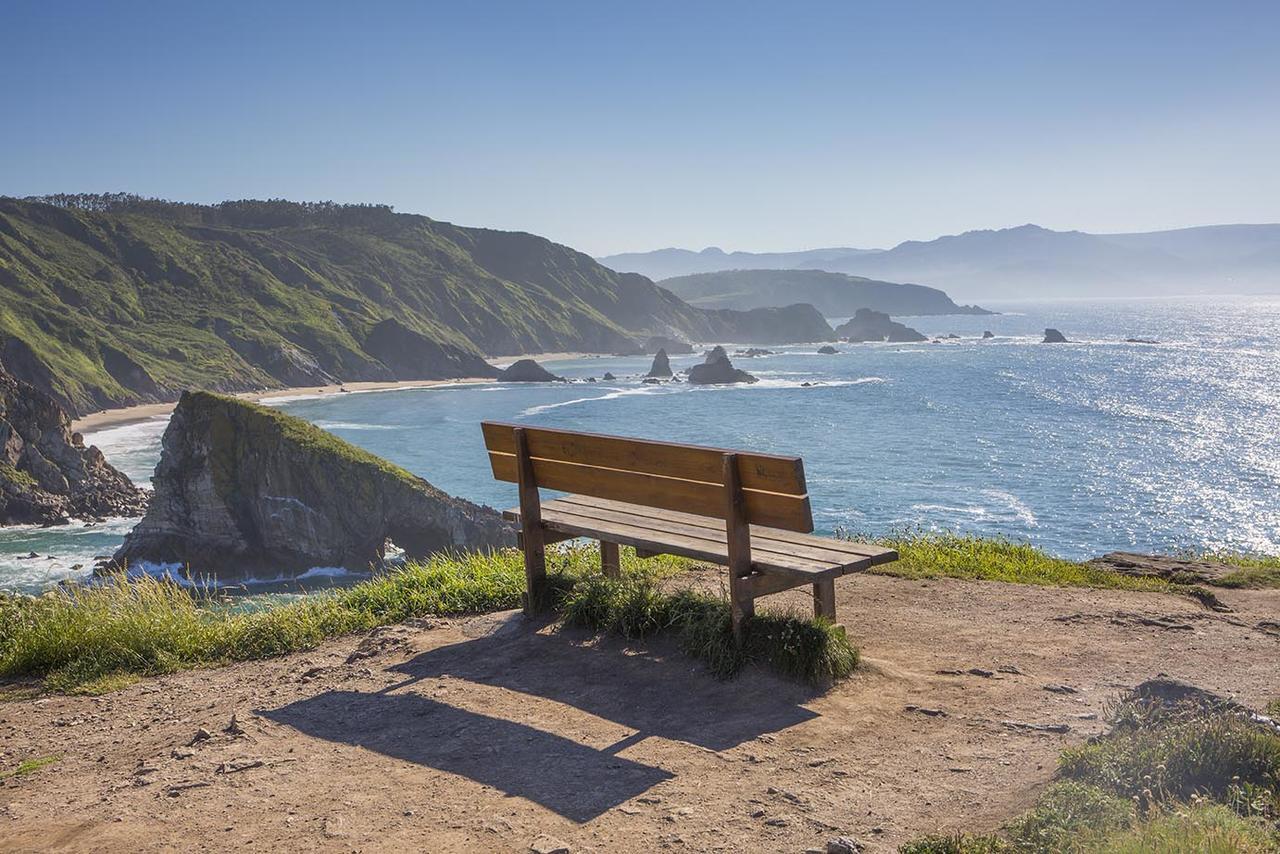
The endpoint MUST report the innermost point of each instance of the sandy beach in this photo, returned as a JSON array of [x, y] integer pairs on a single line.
[[146, 411]]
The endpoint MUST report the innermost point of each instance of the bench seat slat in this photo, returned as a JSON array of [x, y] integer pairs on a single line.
[[678, 523], [853, 550], [701, 543]]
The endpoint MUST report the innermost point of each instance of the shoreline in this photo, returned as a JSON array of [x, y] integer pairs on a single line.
[[125, 415], [122, 416]]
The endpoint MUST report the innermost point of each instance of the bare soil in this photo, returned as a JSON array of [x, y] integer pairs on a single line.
[[489, 733]]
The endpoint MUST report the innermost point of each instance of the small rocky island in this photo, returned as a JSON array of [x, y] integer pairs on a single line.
[[527, 371], [244, 489], [47, 475], [1053, 336], [661, 366], [869, 325], [716, 369]]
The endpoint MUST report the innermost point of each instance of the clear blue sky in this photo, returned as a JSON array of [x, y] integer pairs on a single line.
[[633, 125]]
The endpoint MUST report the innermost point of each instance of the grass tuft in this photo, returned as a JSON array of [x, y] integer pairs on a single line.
[[29, 766], [635, 606], [1196, 776]]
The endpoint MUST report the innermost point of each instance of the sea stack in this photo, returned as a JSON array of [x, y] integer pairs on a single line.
[[244, 490], [869, 325], [528, 371], [661, 365], [988, 334], [1053, 336], [718, 370]]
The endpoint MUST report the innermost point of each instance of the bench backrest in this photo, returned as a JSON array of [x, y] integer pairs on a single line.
[[666, 475]]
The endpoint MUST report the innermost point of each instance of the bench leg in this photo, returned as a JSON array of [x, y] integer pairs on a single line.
[[610, 561], [741, 606], [824, 599]]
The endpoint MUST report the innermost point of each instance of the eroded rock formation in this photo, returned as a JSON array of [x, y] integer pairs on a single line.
[[868, 325], [243, 489], [718, 370], [661, 365], [47, 475]]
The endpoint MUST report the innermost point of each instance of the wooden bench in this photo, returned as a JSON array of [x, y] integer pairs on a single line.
[[749, 512]]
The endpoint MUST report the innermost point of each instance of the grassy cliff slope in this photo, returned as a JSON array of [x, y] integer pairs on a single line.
[[112, 300]]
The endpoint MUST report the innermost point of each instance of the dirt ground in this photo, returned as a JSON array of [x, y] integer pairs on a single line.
[[492, 734]]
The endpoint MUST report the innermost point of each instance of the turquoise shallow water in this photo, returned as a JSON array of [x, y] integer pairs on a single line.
[[1078, 448]]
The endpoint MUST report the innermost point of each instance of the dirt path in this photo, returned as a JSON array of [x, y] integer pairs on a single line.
[[485, 734]]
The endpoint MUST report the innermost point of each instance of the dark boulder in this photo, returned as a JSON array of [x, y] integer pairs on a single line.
[[609, 377], [718, 370], [528, 371], [242, 489], [828, 350], [988, 334], [1053, 336], [47, 475], [661, 365], [868, 325]]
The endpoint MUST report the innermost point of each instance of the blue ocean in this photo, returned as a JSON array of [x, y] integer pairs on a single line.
[[1079, 448]]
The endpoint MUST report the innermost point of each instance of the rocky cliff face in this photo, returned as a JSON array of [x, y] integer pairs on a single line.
[[47, 475], [242, 489], [790, 324]]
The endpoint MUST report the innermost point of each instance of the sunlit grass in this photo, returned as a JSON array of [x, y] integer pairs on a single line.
[[1199, 777], [29, 766], [949, 555]]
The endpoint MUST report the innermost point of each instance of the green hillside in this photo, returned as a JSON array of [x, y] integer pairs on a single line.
[[113, 300]]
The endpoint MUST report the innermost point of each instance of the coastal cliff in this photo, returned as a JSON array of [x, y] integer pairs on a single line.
[[47, 475], [114, 300], [242, 489]]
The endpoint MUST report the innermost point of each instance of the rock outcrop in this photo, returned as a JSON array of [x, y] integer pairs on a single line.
[[528, 371], [718, 370], [828, 350], [661, 365], [988, 334], [1183, 570], [1053, 336], [869, 325], [47, 475], [242, 489]]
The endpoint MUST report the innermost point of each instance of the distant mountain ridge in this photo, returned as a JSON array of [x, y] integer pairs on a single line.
[[667, 263], [111, 300], [833, 294], [1030, 261]]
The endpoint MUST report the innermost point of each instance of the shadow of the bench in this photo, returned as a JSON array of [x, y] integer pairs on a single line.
[[652, 693]]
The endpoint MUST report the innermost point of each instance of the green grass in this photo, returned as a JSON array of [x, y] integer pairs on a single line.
[[93, 639], [948, 555], [29, 766], [804, 648], [1192, 778]]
